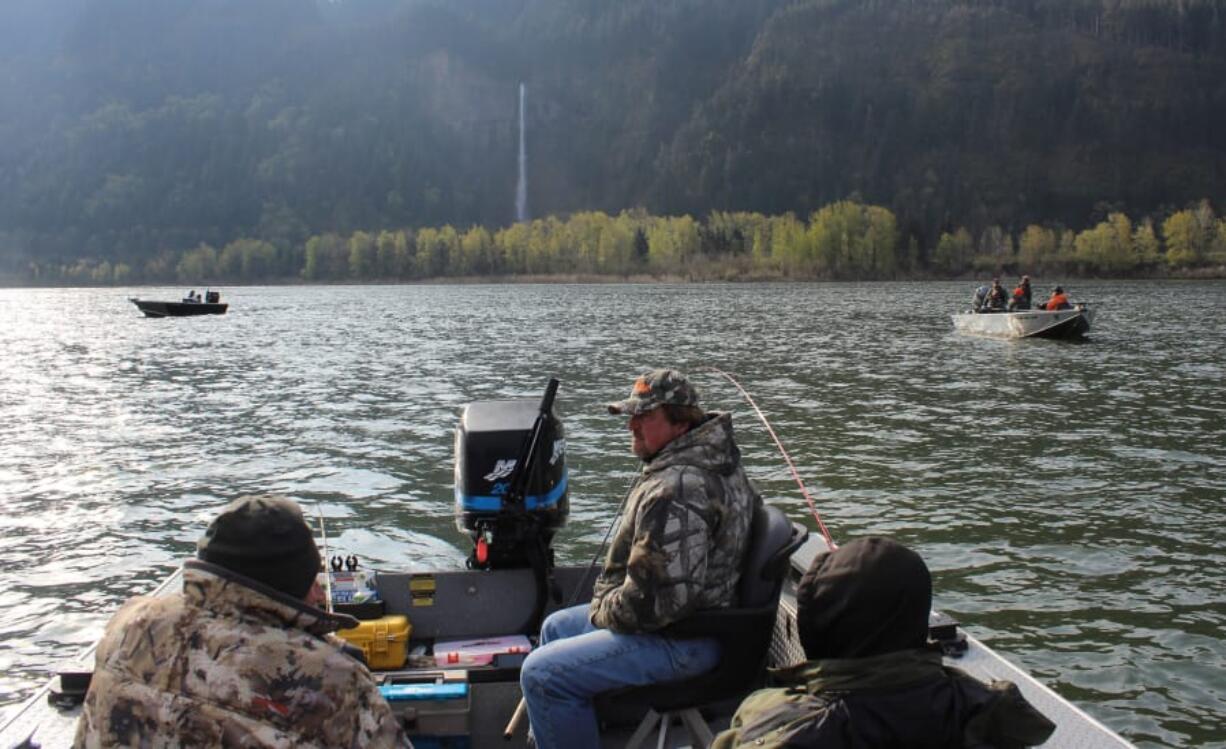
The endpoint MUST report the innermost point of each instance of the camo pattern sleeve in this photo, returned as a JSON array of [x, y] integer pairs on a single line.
[[666, 550], [682, 537]]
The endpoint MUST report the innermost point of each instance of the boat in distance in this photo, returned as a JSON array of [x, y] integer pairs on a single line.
[[1073, 322], [190, 306]]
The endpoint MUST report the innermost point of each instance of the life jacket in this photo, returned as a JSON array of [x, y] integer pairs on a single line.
[[1019, 292], [1057, 301]]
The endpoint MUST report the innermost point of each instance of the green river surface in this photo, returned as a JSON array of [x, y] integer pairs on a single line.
[[1067, 496]]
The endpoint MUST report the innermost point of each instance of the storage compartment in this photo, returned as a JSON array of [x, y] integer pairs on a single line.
[[383, 640], [364, 611], [434, 706]]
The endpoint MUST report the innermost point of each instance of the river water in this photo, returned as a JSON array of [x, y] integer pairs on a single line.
[[1067, 496]]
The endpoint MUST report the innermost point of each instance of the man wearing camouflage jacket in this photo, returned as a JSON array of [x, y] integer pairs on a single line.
[[239, 658], [678, 549]]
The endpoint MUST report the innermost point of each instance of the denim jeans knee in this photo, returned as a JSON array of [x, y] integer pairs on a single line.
[[577, 661]]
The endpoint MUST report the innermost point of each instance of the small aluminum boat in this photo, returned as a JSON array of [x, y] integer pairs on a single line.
[[1063, 323]]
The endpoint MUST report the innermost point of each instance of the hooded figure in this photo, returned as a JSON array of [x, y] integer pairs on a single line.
[[868, 598], [870, 681]]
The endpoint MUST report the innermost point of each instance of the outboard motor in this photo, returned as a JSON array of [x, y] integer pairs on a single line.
[[511, 490]]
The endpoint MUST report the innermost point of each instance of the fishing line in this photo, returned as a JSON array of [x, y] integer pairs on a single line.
[[792, 466], [617, 516]]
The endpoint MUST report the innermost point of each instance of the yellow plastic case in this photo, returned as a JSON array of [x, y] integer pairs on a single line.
[[383, 641]]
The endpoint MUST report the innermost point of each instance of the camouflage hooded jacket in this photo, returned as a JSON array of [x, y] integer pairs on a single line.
[[682, 536], [905, 698], [230, 662]]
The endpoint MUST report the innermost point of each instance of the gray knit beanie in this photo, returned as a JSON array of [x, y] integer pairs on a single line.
[[266, 539]]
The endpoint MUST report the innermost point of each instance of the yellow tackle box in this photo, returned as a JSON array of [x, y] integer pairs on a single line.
[[383, 641]]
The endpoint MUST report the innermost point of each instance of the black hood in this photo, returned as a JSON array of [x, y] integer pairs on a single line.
[[869, 597]]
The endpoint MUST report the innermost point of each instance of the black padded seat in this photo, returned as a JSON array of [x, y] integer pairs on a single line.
[[744, 633]]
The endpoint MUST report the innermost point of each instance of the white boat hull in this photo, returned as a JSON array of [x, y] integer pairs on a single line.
[[1064, 323]]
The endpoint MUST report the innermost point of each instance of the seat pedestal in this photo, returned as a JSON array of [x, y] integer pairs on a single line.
[[700, 733]]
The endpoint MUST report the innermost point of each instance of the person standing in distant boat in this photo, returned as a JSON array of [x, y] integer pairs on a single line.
[[678, 549], [996, 296], [1020, 300], [1058, 300], [871, 681], [979, 299], [240, 657]]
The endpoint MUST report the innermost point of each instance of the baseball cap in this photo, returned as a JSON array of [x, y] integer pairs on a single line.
[[655, 388]]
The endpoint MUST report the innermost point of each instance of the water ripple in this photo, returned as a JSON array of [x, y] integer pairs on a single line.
[[1067, 497]]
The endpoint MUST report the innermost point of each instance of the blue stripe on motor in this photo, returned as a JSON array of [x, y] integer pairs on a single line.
[[486, 503]]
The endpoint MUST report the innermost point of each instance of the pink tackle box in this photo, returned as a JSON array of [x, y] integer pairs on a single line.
[[506, 650]]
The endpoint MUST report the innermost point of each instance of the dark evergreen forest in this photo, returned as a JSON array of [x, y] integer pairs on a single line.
[[135, 132]]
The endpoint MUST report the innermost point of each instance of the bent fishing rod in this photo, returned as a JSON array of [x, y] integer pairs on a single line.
[[782, 451]]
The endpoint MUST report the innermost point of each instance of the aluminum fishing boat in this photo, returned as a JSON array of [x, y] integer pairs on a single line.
[[1064, 323], [479, 603]]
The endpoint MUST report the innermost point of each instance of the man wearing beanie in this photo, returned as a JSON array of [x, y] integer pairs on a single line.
[[238, 658], [678, 550], [870, 681]]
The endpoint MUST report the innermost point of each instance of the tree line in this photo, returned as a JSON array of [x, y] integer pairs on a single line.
[[133, 126], [846, 240]]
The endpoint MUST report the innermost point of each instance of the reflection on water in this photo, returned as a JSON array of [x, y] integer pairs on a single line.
[[1068, 497]]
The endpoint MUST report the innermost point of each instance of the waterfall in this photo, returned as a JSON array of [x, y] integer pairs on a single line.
[[521, 189]]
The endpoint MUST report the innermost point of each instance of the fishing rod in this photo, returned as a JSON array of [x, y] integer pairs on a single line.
[[787, 458], [323, 532]]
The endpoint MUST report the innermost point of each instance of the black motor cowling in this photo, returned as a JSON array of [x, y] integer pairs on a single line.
[[510, 517]]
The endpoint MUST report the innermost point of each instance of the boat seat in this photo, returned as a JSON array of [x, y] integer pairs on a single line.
[[744, 633]]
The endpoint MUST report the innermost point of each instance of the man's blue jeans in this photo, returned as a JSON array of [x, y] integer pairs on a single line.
[[577, 661]]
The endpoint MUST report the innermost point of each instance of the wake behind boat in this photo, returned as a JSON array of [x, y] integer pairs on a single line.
[[1062, 323], [191, 305]]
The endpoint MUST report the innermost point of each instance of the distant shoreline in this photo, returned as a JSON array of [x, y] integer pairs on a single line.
[[1198, 274]]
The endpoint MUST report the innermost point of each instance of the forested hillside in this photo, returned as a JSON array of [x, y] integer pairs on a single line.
[[137, 132]]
